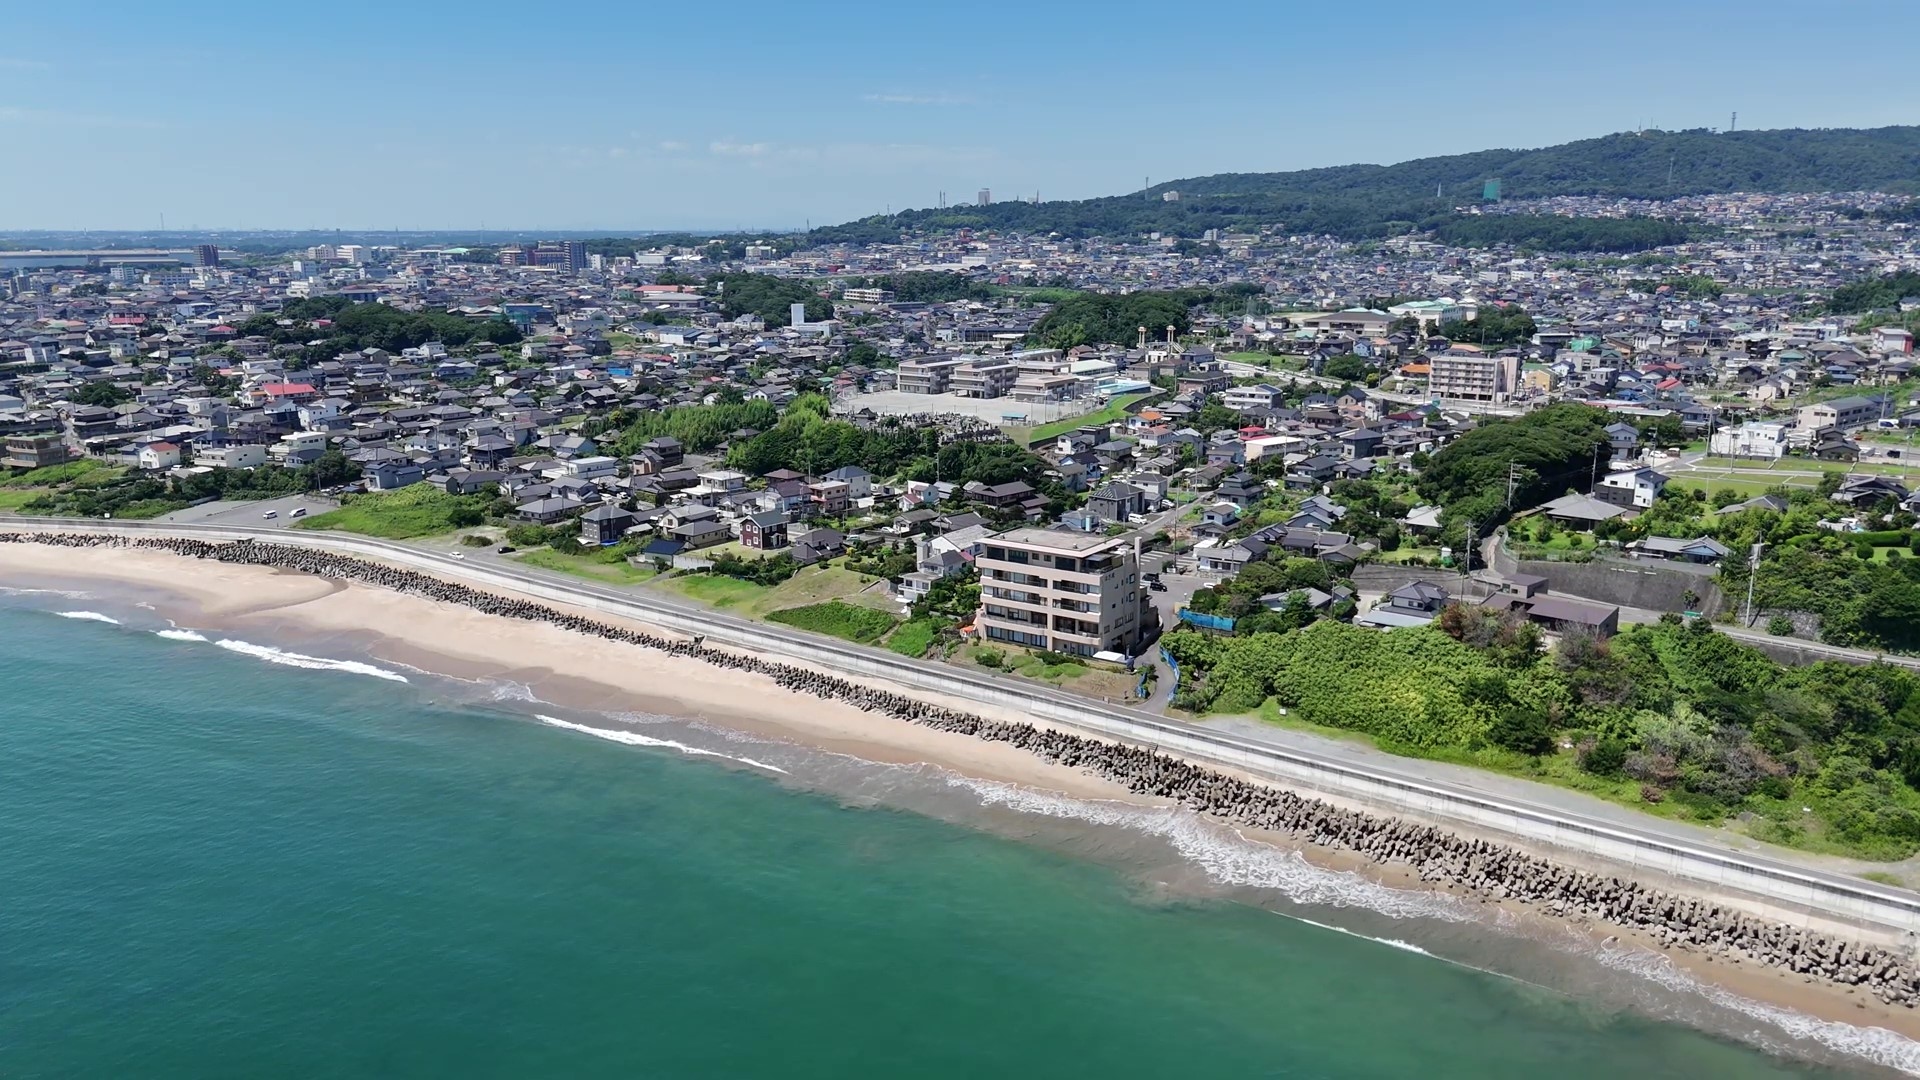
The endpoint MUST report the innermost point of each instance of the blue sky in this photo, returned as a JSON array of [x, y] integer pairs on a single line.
[[625, 115]]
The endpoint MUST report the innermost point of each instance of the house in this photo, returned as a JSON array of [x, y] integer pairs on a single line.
[[1559, 614], [817, 545], [1360, 444], [1700, 549], [858, 480], [1583, 512], [1118, 502], [1222, 514], [764, 531], [700, 534], [1866, 489], [389, 475], [159, 455], [1636, 488], [546, 511], [1623, 441], [1413, 604], [605, 525]]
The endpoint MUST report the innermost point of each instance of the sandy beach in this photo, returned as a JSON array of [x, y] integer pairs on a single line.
[[576, 671]]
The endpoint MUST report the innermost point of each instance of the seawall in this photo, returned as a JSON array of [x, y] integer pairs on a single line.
[[1798, 897]]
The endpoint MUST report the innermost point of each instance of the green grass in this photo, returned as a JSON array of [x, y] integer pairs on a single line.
[[1747, 488], [52, 475], [914, 637], [418, 510], [1885, 878], [591, 566], [15, 498], [863, 625], [1116, 410], [717, 590]]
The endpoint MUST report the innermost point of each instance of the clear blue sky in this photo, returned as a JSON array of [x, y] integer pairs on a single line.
[[639, 114]]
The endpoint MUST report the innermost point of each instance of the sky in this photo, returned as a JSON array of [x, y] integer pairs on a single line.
[[638, 114]]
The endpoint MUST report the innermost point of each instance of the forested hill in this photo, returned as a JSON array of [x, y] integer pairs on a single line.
[[1360, 201]]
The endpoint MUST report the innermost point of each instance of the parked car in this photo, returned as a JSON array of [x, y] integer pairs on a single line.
[[271, 514], [298, 511]]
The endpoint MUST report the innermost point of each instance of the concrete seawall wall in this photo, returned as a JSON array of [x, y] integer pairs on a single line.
[[1810, 898]]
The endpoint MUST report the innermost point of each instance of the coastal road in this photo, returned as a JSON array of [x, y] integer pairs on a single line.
[[1551, 815], [249, 514]]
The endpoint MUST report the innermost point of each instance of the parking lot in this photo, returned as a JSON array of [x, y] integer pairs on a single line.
[[251, 514]]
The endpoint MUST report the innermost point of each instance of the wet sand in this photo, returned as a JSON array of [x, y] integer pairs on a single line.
[[593, 674]]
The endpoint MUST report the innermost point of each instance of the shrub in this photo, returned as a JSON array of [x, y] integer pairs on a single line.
[[1606, 757], [991, 658], [1523, 730], [475, 540], [1780, 626]]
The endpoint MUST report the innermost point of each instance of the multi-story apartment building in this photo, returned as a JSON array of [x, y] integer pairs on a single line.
[[1071, 593], [34, 451], [929, 375], [1473, 376], [1844, 413], [984, 377]]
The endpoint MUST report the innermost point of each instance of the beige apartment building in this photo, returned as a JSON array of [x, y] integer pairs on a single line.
[[1073, 593], [984, 377], [1473, 377], [930, 375]]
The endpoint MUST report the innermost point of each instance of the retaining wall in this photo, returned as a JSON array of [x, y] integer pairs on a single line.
[[1816, 898]]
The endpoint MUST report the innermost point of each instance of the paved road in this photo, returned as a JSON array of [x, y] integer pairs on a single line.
[[1334, 753], [250, 514]]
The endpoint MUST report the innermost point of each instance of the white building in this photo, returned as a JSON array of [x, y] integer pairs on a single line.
[[1753, 439]]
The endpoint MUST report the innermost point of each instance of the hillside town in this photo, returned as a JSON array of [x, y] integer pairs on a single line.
[[1288, 415]]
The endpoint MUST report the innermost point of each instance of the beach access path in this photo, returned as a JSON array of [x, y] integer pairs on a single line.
[[1456, 795]]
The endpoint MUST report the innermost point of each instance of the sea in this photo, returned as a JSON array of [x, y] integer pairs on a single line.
[[227, 857]]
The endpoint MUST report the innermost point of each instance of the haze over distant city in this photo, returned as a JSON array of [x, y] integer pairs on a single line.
[[617, 116]]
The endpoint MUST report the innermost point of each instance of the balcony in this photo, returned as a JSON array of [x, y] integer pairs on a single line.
[[1015, 596]]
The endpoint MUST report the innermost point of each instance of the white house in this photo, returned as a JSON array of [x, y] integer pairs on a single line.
[[159, 455], [1630, 487]]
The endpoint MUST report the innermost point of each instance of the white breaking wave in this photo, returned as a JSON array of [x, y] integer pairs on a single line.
[[89, 616], [71, 594], [1227, 857], [316, 663], [1239, 861], [634, 738], [177, 634], [1396, 943], [1877, 1045], [511, 691]]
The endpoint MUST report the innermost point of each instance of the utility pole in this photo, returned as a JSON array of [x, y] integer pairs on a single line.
[[1466, 565], [1753, 571]]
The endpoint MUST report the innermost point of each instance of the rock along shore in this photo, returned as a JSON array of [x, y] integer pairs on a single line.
[[1492, 871]]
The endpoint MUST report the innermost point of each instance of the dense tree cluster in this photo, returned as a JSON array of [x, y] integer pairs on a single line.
[[926, 286], [1687, 714], [769, 297], [1363, 201], [1493, 327], [1114, 319], [339, 326], [1554, 449], [1874, 294], [698, 427]]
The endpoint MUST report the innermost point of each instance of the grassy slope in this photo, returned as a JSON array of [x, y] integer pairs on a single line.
[[620, 572], [413, 511], [839, 619]]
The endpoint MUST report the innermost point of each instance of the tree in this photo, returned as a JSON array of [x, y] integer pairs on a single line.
[[1346, 367], [104, 394]]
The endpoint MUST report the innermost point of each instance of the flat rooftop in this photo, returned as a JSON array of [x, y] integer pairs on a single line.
[[1075, 543]]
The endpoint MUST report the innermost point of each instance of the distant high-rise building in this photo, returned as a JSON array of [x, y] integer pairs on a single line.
[[576, 253], [206, 255], [985, 197], [513, 256], [797, 314]]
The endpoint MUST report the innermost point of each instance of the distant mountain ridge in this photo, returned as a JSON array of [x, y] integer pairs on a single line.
[[1360, 201]]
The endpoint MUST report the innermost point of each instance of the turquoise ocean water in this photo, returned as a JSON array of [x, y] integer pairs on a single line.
[[217, 862]]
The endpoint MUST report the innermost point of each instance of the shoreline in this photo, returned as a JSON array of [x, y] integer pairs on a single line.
[[598, 674]]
